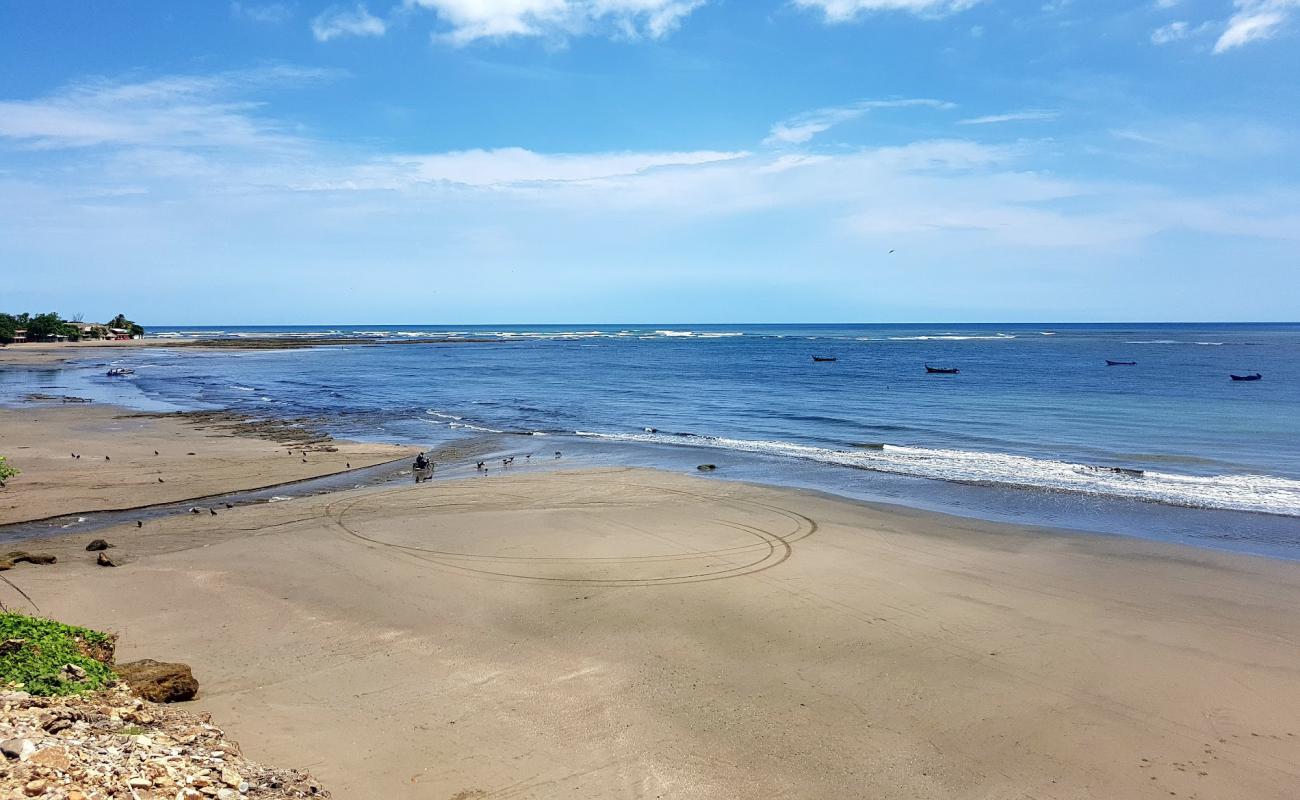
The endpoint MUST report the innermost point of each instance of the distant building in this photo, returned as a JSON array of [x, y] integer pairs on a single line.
[[20, 335]]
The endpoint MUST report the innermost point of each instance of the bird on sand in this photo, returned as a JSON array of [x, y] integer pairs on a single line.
[[155, 452], [212, 511], [160, 480], [139, 524], [228, 505], [106, 458]]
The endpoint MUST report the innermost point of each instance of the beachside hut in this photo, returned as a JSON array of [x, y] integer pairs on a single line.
[[119, 334], [20, 335]]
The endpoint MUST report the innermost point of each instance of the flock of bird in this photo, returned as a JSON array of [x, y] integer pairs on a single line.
[[481, 467], [505, 462]]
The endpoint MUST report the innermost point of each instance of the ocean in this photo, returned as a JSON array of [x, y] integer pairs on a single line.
[[1034, 429]]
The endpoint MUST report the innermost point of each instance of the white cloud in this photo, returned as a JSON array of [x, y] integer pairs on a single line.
[[1255, 20], [335, 22], [173, 111], [1170, 33], [270, 13], [513, 166], [1014, 116], [472, 20], [240, 198], [803, 127], [848, 10]]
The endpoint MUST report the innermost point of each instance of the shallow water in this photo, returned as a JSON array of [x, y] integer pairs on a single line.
[[1029, 430]]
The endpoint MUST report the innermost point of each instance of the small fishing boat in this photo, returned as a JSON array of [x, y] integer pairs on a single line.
[[820, 359], [1252, 377], [117, 372], [941, 370], [1110, 363]]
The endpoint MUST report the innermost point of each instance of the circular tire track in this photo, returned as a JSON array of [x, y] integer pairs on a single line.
[[768, 549]]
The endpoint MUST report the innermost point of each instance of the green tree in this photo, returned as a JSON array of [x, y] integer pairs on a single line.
[[8, 324], [43, 326], [120, 321]]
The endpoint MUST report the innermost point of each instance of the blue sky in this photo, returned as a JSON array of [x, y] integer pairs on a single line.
[[468, 161]]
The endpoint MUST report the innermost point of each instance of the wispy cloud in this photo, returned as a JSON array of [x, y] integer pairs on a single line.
[[269, 13], [336, 22], [834, 11], [188, 111], [803, 127], [1014, 116], [1255, 20], [1172, 32], [469, 21], [199, 171]]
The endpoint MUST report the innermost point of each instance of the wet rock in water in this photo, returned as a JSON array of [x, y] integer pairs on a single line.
[[707, 467], [98, 544], [19, 556], [105, 561], [159, 681]]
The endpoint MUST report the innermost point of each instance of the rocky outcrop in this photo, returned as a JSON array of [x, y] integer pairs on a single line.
[[159, 681], [96, 545], [112, 745]]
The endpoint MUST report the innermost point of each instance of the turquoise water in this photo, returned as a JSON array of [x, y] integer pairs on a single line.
[[1030, 429]]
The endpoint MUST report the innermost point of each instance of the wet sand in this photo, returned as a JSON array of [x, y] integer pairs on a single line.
[[634, 633], [118, 469]]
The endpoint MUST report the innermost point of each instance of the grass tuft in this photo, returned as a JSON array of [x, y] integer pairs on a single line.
[[33, 652]]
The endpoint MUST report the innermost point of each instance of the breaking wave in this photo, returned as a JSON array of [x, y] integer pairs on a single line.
[[1258, 493]]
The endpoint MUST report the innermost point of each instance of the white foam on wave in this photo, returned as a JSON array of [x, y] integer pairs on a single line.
[[1155, 341], [1260, 493], [441, 415], [951, 337], [242, 388]]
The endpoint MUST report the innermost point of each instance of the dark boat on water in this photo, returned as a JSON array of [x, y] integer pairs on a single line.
[[941, 370], [1252, 377], [1110, 363], [821, 359]]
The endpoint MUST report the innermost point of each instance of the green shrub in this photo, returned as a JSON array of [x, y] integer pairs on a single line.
[[6, 471], [33, 652]]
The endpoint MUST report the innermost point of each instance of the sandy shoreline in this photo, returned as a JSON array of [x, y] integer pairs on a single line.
[[196, 456], [637, 633]]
